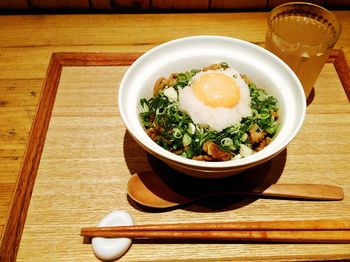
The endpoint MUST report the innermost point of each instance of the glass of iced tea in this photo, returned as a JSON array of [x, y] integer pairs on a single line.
[[302, 34]]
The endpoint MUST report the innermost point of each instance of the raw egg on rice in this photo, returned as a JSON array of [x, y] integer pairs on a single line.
[[216, 98]]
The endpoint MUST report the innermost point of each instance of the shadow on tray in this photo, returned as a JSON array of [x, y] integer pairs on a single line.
[[263, 175]]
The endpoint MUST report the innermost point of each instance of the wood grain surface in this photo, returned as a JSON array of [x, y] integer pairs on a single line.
[[85, 129], [25, 51], [26, 178]]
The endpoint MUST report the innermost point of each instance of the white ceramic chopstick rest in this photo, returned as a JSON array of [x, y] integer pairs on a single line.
[[112, 248]]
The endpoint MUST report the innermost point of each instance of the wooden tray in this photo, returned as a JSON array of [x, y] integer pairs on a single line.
[[81, 173]]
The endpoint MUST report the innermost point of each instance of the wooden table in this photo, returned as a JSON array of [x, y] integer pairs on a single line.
[[86, 142]]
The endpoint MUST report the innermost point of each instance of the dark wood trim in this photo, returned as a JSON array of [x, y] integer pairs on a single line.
[[13, 229]]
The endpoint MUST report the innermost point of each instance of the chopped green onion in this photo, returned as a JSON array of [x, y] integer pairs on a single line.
[[191, 128], [175, 130], [160, 111], [245, 151], [171, 94], [264, 115], [177, 133], [186, 140], [244, 137], [226, 141], [144, 108]]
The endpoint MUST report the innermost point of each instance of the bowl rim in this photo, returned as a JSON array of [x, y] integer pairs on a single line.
[[167, 156]]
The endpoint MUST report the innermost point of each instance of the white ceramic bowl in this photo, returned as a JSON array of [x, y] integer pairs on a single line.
[[265, 69]]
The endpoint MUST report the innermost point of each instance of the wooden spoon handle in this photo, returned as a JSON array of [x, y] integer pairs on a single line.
[[304, 191]]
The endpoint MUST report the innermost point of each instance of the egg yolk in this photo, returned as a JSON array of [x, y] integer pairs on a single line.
[[216, 90]]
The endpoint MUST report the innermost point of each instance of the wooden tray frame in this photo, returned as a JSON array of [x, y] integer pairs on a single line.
[[14, 225]]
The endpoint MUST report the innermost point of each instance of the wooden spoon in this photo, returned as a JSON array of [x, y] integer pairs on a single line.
[[149, 190]]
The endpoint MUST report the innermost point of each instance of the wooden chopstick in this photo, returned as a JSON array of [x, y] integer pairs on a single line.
[[300, 236], [320, 231], [253, 225]]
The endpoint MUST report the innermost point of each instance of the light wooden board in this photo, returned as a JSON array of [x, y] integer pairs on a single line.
[[24, 61], [88, 158], [28, 41]]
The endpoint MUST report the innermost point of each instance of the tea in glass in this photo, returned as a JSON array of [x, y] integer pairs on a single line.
[[302, 35]]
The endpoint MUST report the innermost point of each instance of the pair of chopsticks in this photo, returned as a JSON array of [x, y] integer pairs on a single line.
[[312, 231]]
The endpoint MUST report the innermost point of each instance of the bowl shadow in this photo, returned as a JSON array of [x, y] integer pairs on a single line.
[[262, 176]]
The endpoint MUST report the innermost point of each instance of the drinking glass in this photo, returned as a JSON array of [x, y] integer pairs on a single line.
[[302, 35]]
